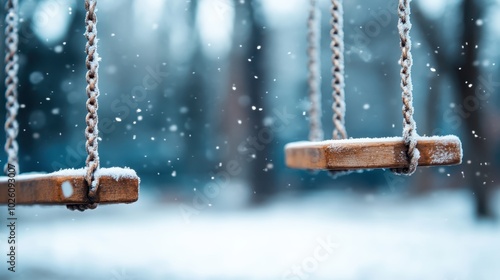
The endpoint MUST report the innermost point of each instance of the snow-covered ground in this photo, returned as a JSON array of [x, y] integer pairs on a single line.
[[330, 235]]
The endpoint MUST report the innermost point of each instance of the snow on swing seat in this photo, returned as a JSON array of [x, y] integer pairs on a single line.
[[68, 186], [371, 153]]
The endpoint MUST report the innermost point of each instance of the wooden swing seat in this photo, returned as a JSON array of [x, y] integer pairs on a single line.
[[371, 153], [116, 185]]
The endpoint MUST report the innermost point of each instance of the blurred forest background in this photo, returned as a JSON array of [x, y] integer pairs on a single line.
[[203, 91]]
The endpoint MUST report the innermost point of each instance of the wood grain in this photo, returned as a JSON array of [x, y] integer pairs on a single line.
[[48, 189], [371, 154]]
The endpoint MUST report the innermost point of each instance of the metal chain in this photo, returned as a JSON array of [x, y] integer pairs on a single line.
[[409, 126], [337, 47], [11, 83], [91, 132], [338, 84], [314, 83]]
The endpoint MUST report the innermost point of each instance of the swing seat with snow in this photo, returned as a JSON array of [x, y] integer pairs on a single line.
[[79, 189], [371, 153], [400, 154]]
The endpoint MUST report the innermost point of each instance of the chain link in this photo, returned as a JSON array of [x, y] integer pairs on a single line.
[[11, 83], [337, 47], [314, 83], [91, 132], [409, 126]]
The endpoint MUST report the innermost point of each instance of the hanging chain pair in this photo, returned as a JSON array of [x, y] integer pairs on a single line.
[[338, 84], [92, 89], [11, 95]]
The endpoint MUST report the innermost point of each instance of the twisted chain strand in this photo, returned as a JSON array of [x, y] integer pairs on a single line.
[[338, 84], [337, 47], [409, 126], [91, 132], [11, 83], [315, 128]]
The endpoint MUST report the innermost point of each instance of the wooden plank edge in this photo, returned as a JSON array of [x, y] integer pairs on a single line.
[[67, 189], [434, 150]]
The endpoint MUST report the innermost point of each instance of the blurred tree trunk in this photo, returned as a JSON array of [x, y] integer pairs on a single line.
[[463, 68], [249, 74], [262, 179], [193, 96], [233, 116], [468, 72]]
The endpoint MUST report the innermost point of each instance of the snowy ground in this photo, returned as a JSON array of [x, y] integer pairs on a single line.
[[325, 236]]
